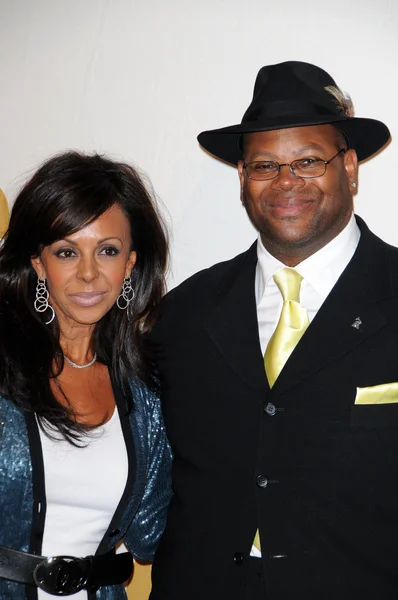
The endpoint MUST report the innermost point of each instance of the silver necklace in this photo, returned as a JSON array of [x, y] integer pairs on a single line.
[[75, 366]]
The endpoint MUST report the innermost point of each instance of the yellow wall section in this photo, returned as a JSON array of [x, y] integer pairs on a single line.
[[4, 214], [140, 585]]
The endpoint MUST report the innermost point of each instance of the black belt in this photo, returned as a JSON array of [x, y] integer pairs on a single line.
[[65, 575]]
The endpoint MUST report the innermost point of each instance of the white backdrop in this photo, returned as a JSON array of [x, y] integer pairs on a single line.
[[139, 79]]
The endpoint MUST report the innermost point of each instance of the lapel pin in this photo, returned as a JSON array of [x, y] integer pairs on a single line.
[[356, 324]]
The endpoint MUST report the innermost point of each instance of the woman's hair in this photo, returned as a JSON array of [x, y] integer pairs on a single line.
[[68, 192]]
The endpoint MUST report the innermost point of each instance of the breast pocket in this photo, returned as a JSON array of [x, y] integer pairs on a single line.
[[376, 405]]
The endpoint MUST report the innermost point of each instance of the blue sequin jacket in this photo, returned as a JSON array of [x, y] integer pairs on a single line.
[[140, 517]]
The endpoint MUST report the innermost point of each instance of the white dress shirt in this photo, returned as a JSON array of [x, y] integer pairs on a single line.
[[320, 273]]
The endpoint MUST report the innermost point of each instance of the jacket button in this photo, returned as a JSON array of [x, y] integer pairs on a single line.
[[261, 481], [238, 558], [270, 409], [114, 532]]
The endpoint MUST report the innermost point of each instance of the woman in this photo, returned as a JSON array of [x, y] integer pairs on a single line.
[[84, 462]]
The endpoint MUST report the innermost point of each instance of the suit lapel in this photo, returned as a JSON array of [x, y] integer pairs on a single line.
[[353, 300], [233, 327], [232, 321]]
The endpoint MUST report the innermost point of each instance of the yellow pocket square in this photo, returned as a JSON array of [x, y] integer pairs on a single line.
[[385, 393]]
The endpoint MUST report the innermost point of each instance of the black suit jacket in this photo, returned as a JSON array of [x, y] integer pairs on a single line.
[[317, 473]]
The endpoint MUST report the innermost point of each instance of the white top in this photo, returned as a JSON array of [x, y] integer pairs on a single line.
[[83, 489], [320, 273]]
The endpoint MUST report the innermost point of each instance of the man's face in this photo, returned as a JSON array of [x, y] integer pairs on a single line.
[[297, 216]]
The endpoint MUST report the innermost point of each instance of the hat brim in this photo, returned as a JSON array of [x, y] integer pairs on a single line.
[[366, 136]]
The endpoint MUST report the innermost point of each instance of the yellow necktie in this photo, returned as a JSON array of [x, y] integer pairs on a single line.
[[291, 326]]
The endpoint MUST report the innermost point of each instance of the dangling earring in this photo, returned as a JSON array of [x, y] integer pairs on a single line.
[[41, 303], [127, 294]]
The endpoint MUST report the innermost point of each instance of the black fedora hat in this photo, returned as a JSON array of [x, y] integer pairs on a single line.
[[296, 94]]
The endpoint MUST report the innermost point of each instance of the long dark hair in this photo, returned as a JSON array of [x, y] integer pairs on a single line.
[[68, 192]]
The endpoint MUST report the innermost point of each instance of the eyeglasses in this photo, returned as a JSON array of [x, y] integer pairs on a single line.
[[306, 167]]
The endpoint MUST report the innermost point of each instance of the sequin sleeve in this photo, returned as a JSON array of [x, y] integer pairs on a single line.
[[149, 522]]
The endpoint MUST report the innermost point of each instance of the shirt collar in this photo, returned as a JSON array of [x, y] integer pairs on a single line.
[[320, 270]]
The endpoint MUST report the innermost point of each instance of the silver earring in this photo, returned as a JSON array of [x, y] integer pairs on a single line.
[[41, 302], [126, 295], [353, 184]]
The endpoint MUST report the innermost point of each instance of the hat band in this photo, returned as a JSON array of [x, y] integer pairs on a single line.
[[290, 108]]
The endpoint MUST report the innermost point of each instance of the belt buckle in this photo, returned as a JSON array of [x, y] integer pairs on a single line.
[[62, 575]]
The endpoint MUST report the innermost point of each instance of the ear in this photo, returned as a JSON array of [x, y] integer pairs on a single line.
[[241, 173], [131, 262], [351, 167], [38, 266]]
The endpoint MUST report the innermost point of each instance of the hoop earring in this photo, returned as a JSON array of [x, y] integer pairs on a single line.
[[126, 295], [41, 302]]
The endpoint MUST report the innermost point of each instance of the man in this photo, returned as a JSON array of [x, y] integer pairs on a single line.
[[280, 370]]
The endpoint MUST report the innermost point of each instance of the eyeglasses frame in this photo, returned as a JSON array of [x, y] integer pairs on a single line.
[[291, 167]]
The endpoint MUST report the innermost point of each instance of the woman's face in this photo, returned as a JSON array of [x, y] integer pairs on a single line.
[[85, 271]]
